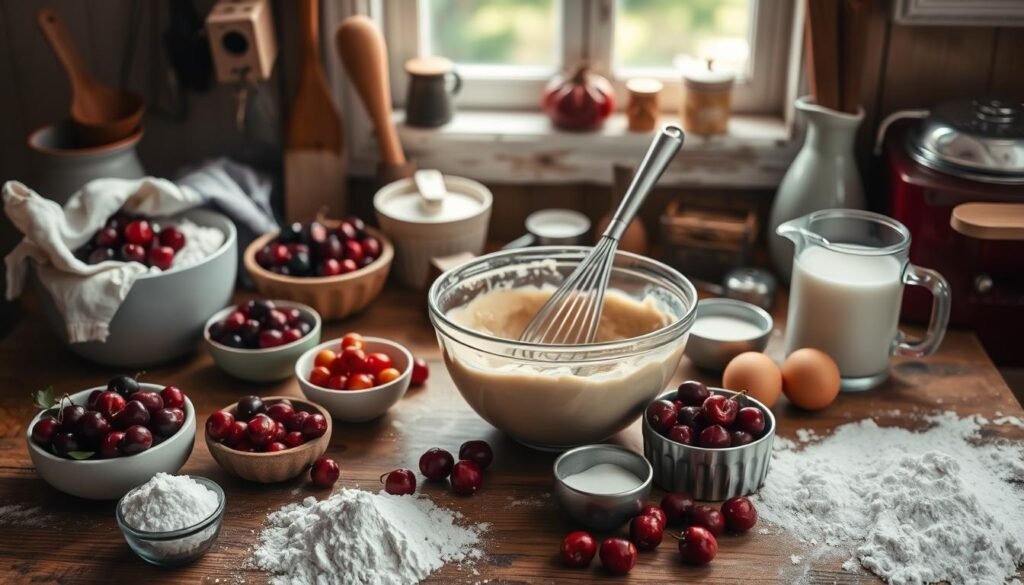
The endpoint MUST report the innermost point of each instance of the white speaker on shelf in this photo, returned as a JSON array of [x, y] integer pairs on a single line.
[[242, 40]]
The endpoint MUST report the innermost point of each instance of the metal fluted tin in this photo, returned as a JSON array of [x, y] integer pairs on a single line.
[[710, 474], [601, 512]]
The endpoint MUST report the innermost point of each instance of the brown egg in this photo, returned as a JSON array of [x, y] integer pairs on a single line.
[[810, 379], [757, 374]]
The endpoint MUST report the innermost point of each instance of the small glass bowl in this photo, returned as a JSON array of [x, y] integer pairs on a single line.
[[176, 547]]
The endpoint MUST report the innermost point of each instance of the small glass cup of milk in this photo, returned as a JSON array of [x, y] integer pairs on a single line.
[[849, 269]]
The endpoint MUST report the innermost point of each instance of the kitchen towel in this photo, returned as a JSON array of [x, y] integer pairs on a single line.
[[236, 190]]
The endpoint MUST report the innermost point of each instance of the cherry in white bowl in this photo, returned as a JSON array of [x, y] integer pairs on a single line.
[[268, 364], [109, 479], [358, 405]]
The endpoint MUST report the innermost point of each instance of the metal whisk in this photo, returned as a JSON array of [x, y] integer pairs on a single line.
[[572, 314]]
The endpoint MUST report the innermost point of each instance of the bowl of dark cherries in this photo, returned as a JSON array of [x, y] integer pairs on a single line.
[[337, 267], [259, 340], [712, 443], [100, 443]]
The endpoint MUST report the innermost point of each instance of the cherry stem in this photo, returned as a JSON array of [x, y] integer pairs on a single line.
[[139, 375], [383, 475], [60, 407]]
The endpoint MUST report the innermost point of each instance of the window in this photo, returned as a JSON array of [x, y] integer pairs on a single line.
[[507, 50]]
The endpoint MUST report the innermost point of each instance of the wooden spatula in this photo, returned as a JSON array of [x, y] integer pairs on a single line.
[[314, 158], [362, 50], [101, 114]]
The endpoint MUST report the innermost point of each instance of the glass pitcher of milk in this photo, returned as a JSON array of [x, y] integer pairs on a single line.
[[849, 268]]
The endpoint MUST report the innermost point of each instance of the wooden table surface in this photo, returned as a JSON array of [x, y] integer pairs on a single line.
[[80, 541]]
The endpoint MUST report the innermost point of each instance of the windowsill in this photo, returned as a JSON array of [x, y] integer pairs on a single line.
[[523, 147]]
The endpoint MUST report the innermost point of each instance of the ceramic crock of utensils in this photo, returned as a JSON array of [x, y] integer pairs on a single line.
[[422, 230], [365, 56], [314, 157], [571, 315], [553, 227], [433, 82], [596, 511], [101, 114]]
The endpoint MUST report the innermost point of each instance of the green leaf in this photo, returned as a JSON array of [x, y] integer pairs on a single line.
[[44, 398], [80, 455]]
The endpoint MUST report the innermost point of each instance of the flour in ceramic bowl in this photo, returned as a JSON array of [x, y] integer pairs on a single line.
[[356, 537], [911, 507], [200, 243]]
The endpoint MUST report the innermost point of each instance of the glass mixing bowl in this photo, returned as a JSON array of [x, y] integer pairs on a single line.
[[555, 397]]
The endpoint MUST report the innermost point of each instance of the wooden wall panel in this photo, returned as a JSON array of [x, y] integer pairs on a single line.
[[1007, 74]]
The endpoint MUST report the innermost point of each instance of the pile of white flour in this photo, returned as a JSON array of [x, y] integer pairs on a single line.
[[356, 537], [913, 508]]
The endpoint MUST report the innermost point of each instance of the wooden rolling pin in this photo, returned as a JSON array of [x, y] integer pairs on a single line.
[[362, 50]]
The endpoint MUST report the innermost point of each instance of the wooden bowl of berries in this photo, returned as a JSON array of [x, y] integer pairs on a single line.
[[711, 443], [102, 442], [268, 439], [355, 378], [259, 340], [338, 268]]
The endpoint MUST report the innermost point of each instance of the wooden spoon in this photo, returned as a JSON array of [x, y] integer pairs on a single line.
[[101, 114], [362, 50]]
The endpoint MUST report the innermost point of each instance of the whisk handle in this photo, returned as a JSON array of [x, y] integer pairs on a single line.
[[663, 149]]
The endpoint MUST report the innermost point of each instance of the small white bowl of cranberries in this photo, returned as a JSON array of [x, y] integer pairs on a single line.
[[268, 439], [102, 442], [337, 267], [711, 443], [357, 378], [259, 340]]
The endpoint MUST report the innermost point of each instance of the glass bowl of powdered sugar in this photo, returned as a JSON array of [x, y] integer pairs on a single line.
[[172, 519]]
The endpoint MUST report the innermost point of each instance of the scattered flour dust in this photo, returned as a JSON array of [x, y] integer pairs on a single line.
[[25, 516], [356, 537], [911, 507]]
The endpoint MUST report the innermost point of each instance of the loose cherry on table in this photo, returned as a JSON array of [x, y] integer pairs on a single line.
[[618, 555], [697, 546], [578, 549], [466, 477], [676, 506], [324, 472], [399, 482], [478, 451], [646, 531], [739, 513], [436, 464], [708, 518]]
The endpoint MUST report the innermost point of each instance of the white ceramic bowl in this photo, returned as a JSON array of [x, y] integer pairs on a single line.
[[262, 365], [416, 242], [109, 479], [358, 405], [162, 317]]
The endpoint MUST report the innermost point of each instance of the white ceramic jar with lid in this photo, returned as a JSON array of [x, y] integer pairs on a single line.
[[423, 228]]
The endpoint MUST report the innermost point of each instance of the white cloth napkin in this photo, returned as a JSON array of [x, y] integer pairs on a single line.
[[87, 296]]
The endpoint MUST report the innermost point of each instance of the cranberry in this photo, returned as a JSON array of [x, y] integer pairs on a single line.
[[400, 482], [358, 225], [295, 422], [578, 549], [280, 412], [173, 238], [167, 421], [270, 338], [618, 555], [109, 404], [290, 336], [69, 417], [275, 320], [371, 247], [714, 437], [101, 255], [173, 397], [352, 339], [136, 440], [707, 517], [348, 265], [93, 427], [676, 506], [345, 231], [351, 360], [324, 472], [692, 393], [377, 361], [420, 371], [740, 514], [280, 432], [314, 426], [110, 445], [280, 254], [358, 382], [662, 415], [249, 407], [740, 438], [44, 430], [162, 257], [646, 531], [436, 464], [139, 232], [108, 238], [698, 546], [124, 385], [478, 451], [466, 477], [353, 250], [234, 322], [218, 425], [751, 420], [133, 253], [681, 434], [653, 510], [151, 400], [691, 416], [237, 434], [291, 233], [258, 308], [330, 267], [262, 430], [720, 410], [64, 443], [275, 447], [294, 439], [265, 256], [134, 413]]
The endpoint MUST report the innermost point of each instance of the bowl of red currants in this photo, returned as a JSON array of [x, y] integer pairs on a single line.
[[102, 442], [711, 443], [268, 439], [259, 340], [355, 378], [338, 268]]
